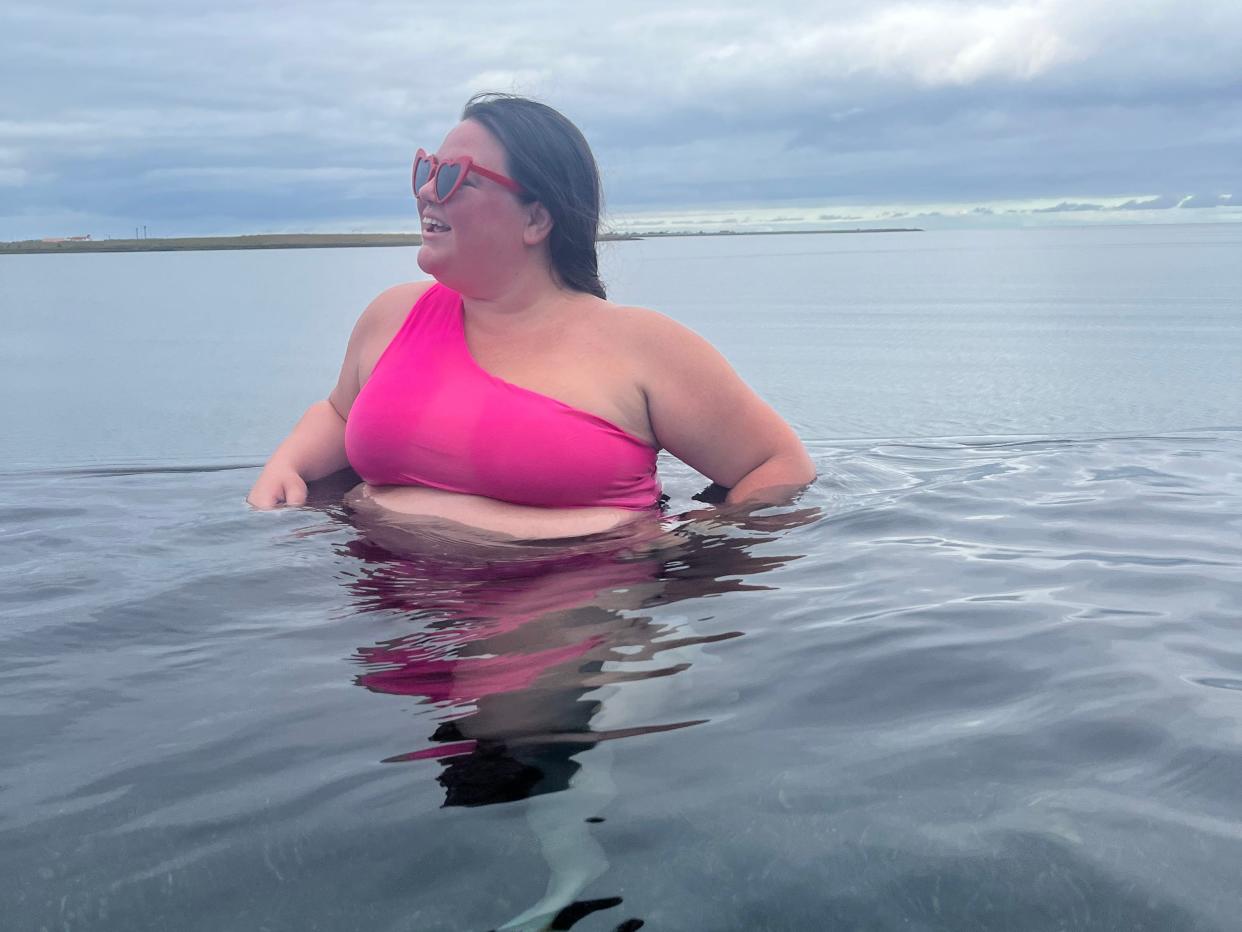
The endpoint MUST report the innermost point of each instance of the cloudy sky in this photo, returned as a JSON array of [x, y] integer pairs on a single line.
[[223, 117]]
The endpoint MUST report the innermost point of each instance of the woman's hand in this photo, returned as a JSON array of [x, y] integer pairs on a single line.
[[315, 448], [278, 484]]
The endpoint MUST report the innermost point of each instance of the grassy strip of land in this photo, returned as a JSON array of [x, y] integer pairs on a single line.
[[321, 241], [261, 241]]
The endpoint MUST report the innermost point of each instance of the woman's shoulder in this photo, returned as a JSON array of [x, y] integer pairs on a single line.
[[388, 310], [664, 354], [398, 299], [642, 328]]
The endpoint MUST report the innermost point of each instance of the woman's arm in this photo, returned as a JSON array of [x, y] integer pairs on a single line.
[[776, 480], [316, 446], [314, 449], [704, 414]]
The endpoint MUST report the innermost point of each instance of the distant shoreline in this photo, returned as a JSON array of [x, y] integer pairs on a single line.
[[659, 234], [334, 240]]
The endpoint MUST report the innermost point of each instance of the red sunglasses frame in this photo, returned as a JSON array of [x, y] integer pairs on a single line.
[[467, 164]]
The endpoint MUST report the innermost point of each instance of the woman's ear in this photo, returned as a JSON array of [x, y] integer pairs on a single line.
[[538, 224]]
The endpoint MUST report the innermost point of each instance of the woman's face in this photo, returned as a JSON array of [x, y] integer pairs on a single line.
[[484, 220]]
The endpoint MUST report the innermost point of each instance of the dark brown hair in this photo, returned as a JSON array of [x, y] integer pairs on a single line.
[[550, 159]]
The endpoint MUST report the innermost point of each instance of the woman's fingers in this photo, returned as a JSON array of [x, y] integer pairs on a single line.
[[295, 491], [261, 495], [270, 491]]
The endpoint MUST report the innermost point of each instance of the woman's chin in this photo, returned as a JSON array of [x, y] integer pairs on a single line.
[[433, 258], [427, 259]]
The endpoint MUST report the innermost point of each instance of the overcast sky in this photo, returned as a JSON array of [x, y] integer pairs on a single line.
[[227, 117]]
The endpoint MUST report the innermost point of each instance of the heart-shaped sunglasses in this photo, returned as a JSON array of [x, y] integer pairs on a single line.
[[450, 173]]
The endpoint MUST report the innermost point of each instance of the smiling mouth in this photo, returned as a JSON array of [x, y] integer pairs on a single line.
[[431, 225]]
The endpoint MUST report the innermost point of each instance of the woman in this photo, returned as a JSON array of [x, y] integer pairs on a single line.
[[508, 395]]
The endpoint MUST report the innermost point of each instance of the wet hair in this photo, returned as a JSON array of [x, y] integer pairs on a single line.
[[550, 159]]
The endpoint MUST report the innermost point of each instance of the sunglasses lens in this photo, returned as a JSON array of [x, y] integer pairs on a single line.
[[446, 180], [422, 171]]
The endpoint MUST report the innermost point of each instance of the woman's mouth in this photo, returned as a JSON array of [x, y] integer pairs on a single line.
[[432, 225]]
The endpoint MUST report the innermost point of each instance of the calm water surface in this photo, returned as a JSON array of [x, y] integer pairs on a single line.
[[986, 674]]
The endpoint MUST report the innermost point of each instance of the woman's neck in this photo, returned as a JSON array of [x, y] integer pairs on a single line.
[[526, 298]]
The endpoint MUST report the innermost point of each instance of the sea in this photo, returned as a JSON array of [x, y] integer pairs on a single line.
[[984, 674]]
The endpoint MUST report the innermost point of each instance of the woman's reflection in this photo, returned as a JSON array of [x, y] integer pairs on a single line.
[[509, 639]]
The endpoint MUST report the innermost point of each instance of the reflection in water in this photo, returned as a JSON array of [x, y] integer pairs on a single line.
[[512, 643], [509, 641]]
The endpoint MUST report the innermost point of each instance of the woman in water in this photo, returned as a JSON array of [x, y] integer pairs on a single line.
[[508, 395]]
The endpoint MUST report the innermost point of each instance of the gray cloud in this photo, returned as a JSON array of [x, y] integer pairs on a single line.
[[1159, 202], [1067, 207], [238, 116]]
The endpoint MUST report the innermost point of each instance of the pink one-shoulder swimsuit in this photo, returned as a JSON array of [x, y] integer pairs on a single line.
[[430, 415]]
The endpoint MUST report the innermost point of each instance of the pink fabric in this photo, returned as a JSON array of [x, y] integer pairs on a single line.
[[478, 653], [430, 415]]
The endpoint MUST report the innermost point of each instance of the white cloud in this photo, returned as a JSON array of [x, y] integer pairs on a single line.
[[934, 98], [924, 43]]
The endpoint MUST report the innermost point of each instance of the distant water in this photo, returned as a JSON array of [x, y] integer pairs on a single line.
[[1085, 331], [985, 675]]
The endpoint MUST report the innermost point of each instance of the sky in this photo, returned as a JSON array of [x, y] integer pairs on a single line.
[[231, 117]]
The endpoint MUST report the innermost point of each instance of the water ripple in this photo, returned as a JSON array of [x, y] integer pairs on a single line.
[[980, 683]]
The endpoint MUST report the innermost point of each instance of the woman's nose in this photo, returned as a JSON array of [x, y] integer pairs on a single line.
[[428, 190]]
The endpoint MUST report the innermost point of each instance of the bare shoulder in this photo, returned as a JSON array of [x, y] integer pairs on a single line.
[[659, 347], [642, 329], [385, 314]]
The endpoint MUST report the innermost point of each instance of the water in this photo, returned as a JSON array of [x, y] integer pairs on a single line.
[[986, 674]]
